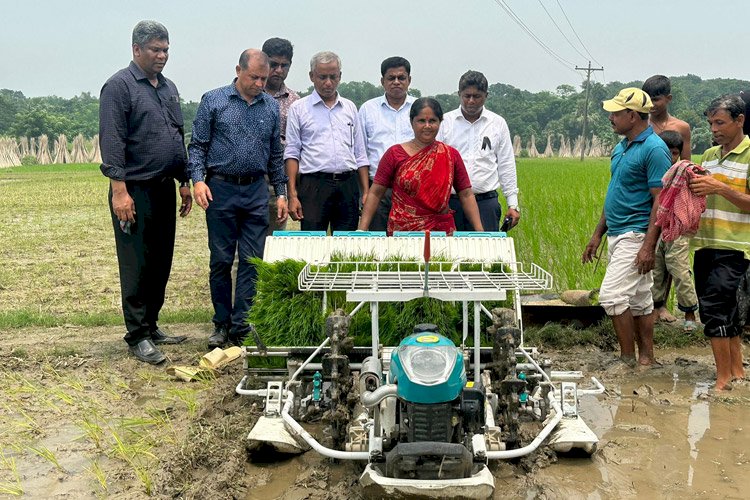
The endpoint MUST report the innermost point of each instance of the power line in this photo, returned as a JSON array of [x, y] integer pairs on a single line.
[[588, 70], [569, 65], [576, 34], [561, 31]]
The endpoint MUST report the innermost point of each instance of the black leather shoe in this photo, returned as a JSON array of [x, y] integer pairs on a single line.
[[219, 337], [146, 351], [159, 337]]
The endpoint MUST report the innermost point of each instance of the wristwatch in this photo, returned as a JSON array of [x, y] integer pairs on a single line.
[[282, 196], [514, 207], [185, 184]]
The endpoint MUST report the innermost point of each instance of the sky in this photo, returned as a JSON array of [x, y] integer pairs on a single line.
[[65, 47]]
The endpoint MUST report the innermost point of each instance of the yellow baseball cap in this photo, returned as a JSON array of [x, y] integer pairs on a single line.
[[629, 98]]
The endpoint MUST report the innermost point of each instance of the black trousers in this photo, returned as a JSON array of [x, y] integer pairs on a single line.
[[329, 199], [379, 220], [717, 279], [145, 255], [489, 212]]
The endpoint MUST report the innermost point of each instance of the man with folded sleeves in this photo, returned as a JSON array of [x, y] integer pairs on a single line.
[[235, 143], [325, 153], [483, 139], [143, 152]]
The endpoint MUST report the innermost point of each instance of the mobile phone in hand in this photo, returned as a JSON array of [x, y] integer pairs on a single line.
[[507, 223], [126, 226]]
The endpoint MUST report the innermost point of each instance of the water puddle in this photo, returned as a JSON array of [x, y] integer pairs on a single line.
[[661, 435]]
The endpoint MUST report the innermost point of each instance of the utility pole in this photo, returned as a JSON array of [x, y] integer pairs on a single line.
[[588, 71]]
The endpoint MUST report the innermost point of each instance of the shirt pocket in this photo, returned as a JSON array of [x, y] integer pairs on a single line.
[[487, 145], [175, 112]]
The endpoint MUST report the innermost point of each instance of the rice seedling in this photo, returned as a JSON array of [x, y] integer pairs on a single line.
[[47, 454], [92, 430], [127, 450], [95, 469], [188, 397], [144, 477], [10, 488]]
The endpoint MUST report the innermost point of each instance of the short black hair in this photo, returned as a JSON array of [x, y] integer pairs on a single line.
[[657, 85], [395, 62], [280, 47], [472, 79], [731, 103], [672, 139], [426, 102]]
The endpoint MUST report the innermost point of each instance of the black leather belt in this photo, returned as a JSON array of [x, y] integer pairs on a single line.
[[337, 176], [241, 180], [480, 196]]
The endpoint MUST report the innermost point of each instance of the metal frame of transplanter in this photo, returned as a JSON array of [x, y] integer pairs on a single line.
[[481, 266]]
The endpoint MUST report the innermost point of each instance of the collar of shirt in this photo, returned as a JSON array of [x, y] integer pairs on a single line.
[[233, 92], [742, 146], [384, 102], [283, 92], [138, 73], [639, 138], [316, 99], [460, 116]]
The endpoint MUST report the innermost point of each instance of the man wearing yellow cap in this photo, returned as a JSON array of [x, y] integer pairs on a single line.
[[638, 163]]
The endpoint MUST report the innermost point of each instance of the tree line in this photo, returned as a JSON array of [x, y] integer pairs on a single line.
[[547, 113]]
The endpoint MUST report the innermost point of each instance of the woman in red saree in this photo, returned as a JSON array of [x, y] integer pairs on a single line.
[[421, 173]]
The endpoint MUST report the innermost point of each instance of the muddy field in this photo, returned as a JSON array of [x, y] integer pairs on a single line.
[[81, 419]]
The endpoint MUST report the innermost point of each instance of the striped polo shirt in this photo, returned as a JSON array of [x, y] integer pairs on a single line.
[[723, 225]]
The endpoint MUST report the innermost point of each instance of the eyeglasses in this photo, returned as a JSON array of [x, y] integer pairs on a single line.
[[275, 65]]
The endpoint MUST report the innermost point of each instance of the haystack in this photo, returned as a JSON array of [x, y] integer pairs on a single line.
[[548, 152], [95, 154], [23, 147], [516, 145], [9, 152], [531, 147], [564, 151], [578, 146], [42, 154], [61, 150], [79, 153]]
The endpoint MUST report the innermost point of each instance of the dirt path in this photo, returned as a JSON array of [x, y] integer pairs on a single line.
[[81, 419]]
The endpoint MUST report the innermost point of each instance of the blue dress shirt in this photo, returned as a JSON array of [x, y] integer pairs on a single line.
[[234, 137]]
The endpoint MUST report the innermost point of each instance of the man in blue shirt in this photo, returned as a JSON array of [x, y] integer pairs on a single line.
[[639, 162], [235, 143]]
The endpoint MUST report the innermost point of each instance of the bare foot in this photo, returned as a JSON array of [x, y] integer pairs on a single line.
[[628, 359], [665, 316], [723, 386]]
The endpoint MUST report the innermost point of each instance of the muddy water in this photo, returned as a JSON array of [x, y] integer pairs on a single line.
[[663, 434]]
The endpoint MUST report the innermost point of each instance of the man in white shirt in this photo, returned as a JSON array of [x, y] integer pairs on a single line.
[[483, 139], [325, 148], [385, 122]]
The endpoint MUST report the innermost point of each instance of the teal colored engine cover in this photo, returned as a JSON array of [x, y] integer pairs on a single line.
[[427, 368]]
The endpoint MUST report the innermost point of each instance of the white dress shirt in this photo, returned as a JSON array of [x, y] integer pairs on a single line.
[[324, 139], [384, 127], [490, 163]]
